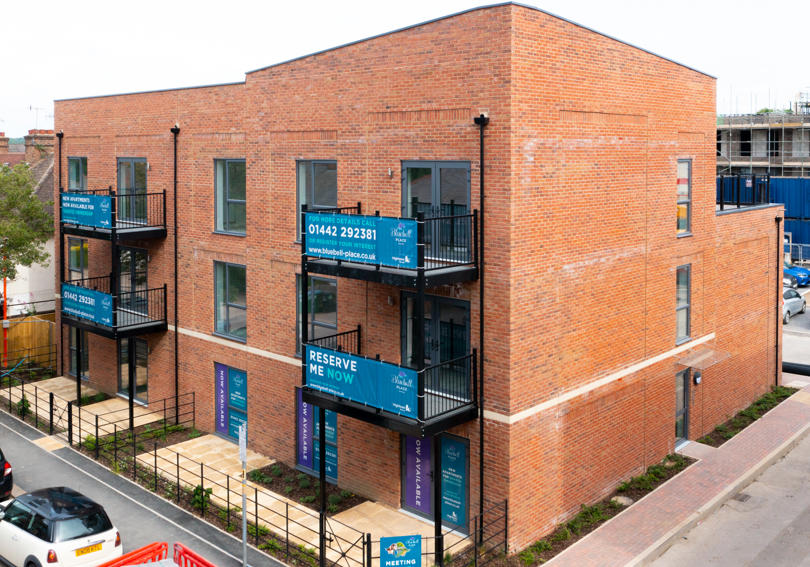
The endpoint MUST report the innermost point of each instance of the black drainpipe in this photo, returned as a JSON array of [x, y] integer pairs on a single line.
[[780, 252], [175, 131], [59, 135], [481, 121]]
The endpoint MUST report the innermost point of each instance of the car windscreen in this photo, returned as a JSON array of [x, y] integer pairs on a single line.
[[91, 523]]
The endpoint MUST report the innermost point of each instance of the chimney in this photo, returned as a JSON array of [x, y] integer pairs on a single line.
[[38, 144], [3, 143]]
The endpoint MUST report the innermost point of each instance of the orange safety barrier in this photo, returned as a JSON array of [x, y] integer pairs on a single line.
[[184, 557], [147, 554]]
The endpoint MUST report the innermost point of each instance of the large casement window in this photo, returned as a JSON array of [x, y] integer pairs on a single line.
[[230, 300], [132, 191], [317, 187], [682, 307], [684, 196], [322, 318], [77, 258], [77, 173], [73, 347], [230, 195]]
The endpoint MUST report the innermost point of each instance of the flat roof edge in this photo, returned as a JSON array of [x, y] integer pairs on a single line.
[[151, 91], [462, 12]]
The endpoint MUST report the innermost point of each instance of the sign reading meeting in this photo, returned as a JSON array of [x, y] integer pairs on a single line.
[[356, 238], [87, 210], [378, 384], [402, 551], [87, 304]]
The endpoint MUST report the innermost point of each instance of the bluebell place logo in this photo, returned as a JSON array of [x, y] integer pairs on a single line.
[[397, 549]]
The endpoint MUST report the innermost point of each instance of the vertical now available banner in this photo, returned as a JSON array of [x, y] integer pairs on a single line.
[[308, 455]]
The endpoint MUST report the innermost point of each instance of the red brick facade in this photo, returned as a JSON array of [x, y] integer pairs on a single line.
[[581, 247]]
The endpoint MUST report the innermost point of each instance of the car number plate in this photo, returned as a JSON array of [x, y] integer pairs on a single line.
[[89, 549]]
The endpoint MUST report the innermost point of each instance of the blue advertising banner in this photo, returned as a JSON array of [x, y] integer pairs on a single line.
[[368, 239], [85, 209], [87, 304], [308, 455], [377, 384], [235, 419], [454, 482], [221, 397], [237, 389], [402, 551]]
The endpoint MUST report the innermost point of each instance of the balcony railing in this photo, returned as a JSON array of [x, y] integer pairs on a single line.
[[421, 243], [90, 302], [347, 341], [377, 387], [738, 191], [104, 209]]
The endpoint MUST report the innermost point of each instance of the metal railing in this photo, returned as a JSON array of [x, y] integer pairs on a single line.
[[743, 191], [134, 208], [448, 386], [485, 541], [129, 308], [347, 341]]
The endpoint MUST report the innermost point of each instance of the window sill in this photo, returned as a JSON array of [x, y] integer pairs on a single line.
[[226, 233], [684, 234], [684, 340], [230, 337]]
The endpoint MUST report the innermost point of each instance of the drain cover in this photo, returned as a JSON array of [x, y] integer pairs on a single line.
[[742, 497]]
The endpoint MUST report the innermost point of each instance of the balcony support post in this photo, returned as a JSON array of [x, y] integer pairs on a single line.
[[131, 362], [418, 346], [322, 487], [79, 356], [436, 444], [304, 297]]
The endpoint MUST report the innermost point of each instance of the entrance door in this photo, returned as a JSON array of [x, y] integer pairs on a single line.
[[132, 280], [140, 359], [417, 479], [439, 189], [132, 191], [682, 380]]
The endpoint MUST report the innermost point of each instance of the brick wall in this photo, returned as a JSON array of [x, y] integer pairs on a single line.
[[581, 249]]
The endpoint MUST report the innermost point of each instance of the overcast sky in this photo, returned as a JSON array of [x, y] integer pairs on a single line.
[[55, 49]]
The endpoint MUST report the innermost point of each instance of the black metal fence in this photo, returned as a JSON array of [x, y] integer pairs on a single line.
[[486, 540], [743, 191], [129, 308], [133, 208], [449, 385], [347, 341]]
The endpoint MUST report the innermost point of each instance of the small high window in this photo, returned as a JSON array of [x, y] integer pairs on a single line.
[[682, 302], [230, 195], [684, 195], [317, 187], [77, 173], [230, 300]]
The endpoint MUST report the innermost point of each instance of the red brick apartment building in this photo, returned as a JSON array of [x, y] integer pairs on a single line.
[[578, 300]]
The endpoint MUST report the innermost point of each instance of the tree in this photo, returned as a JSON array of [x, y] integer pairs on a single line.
[[25, 225]]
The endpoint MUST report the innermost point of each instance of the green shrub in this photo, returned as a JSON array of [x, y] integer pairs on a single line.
[[270, 545], [276, 471], [332, 508], [201, 498], [194, 433], [23, 406], [541, 546], [345, 494], [288, 489], [90, 443], [308, 499], [304, 483], [562, 535], [334, 499], [527, 557]]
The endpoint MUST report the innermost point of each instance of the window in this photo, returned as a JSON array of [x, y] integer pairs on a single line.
[[132, 191], [322, 309], [19, 515], [682, 307], [77, 174], [73, 347], [317, 187], [684, 196], [77, 258], [230, 195], [230, 300]]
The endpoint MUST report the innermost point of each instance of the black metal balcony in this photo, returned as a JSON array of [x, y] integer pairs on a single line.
[[739, 191], [88, 304], [391, 250], [435, 398], [108, 215]]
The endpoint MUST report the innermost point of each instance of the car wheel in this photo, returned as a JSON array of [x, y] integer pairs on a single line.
[[786, 318], [804, 307]]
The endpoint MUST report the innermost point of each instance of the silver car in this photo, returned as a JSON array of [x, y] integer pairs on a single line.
[[793, 304]]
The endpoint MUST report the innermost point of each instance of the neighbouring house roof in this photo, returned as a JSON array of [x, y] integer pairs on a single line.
[[42, 171], [12, 158]]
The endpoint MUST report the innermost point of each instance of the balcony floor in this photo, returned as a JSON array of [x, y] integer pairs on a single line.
[[436, 273]]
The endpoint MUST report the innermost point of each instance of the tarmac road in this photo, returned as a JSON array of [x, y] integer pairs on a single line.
[[140, 516], [768, 523]]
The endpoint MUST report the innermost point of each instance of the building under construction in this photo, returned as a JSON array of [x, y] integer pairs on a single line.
[[775, 143]]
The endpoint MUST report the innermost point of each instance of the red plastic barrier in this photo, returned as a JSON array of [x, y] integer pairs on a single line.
[[184, 557], [147, 554]]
